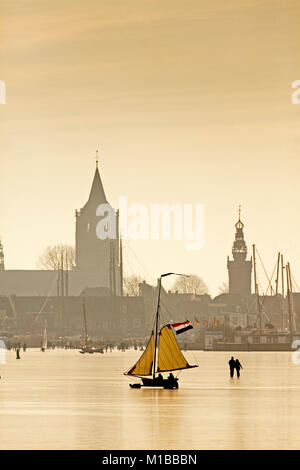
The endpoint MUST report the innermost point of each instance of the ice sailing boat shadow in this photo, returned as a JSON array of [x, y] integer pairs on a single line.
[[162, 354]]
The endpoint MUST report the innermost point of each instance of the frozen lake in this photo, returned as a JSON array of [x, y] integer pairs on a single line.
[[64, 400]]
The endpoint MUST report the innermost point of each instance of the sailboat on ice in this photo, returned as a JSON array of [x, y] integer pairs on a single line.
[[86, 348], [45, 340], [162, 354]]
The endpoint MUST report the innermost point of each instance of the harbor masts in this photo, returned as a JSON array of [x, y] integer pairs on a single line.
[[85, 324], [256, 289], [277, 275], [282, 291], [289, 296]]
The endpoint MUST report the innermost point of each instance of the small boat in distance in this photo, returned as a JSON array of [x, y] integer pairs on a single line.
[[162, 354], [87, 348], [45, 340]]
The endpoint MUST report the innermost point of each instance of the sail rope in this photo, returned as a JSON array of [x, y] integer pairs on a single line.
[[145, 271], [293, 279], [263, 308], [127, 259], [45, 300]]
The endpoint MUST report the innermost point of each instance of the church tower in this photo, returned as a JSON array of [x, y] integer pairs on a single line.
[[92, 254], [239, 270], [2, 268]]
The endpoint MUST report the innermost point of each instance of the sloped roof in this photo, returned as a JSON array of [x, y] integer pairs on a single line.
[[97, 194]]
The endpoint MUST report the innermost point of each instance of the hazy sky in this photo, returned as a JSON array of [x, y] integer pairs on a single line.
[[188, 101]]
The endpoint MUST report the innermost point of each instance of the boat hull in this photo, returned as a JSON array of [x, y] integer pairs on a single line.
[[91, 351], [157, 383]]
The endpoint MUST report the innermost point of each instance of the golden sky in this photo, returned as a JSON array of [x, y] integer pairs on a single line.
[[188, 101]]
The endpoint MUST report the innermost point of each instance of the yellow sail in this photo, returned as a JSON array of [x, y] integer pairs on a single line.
[[144, 364], [170, 356]]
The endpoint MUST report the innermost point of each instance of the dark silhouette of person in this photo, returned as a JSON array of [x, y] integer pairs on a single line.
[[232, 366], [171, 379], [238, 366], [160, 379]]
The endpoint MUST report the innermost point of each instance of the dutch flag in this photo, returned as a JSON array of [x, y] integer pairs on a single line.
[[182, 327]]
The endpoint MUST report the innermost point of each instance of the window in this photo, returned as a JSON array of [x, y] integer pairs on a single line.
[[136, 323]]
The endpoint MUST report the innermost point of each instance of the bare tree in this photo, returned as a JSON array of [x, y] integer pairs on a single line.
[[54, 256], [224, 288], [131, 285], [190, 285]]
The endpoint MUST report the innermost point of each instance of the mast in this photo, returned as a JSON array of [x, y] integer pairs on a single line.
[[282, 292], [62, 294], [112, 268], [160, 340], [156, 326], [120, 253], [45, 339], [84, 318], [121, 266], [157, 318], [289, 292], [256, 289], [67, 275], [277, 275], [62, 274]]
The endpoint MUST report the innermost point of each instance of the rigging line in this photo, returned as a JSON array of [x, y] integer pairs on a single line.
[[171, 309], [250, 306], [167, 307], [139, 261], [270, 285], [293, 279], [46, 298], [169, 312], [162, 317], [132, 271], [191, 354], [265, 268], [6, 317], [263, 308], [146, 271]]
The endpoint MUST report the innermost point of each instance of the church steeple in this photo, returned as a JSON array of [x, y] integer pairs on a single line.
[[239, 249], [97, 194], [239, 270], [94, 254]]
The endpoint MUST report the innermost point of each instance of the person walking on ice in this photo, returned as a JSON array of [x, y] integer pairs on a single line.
[[231, 366], [238, 366]]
